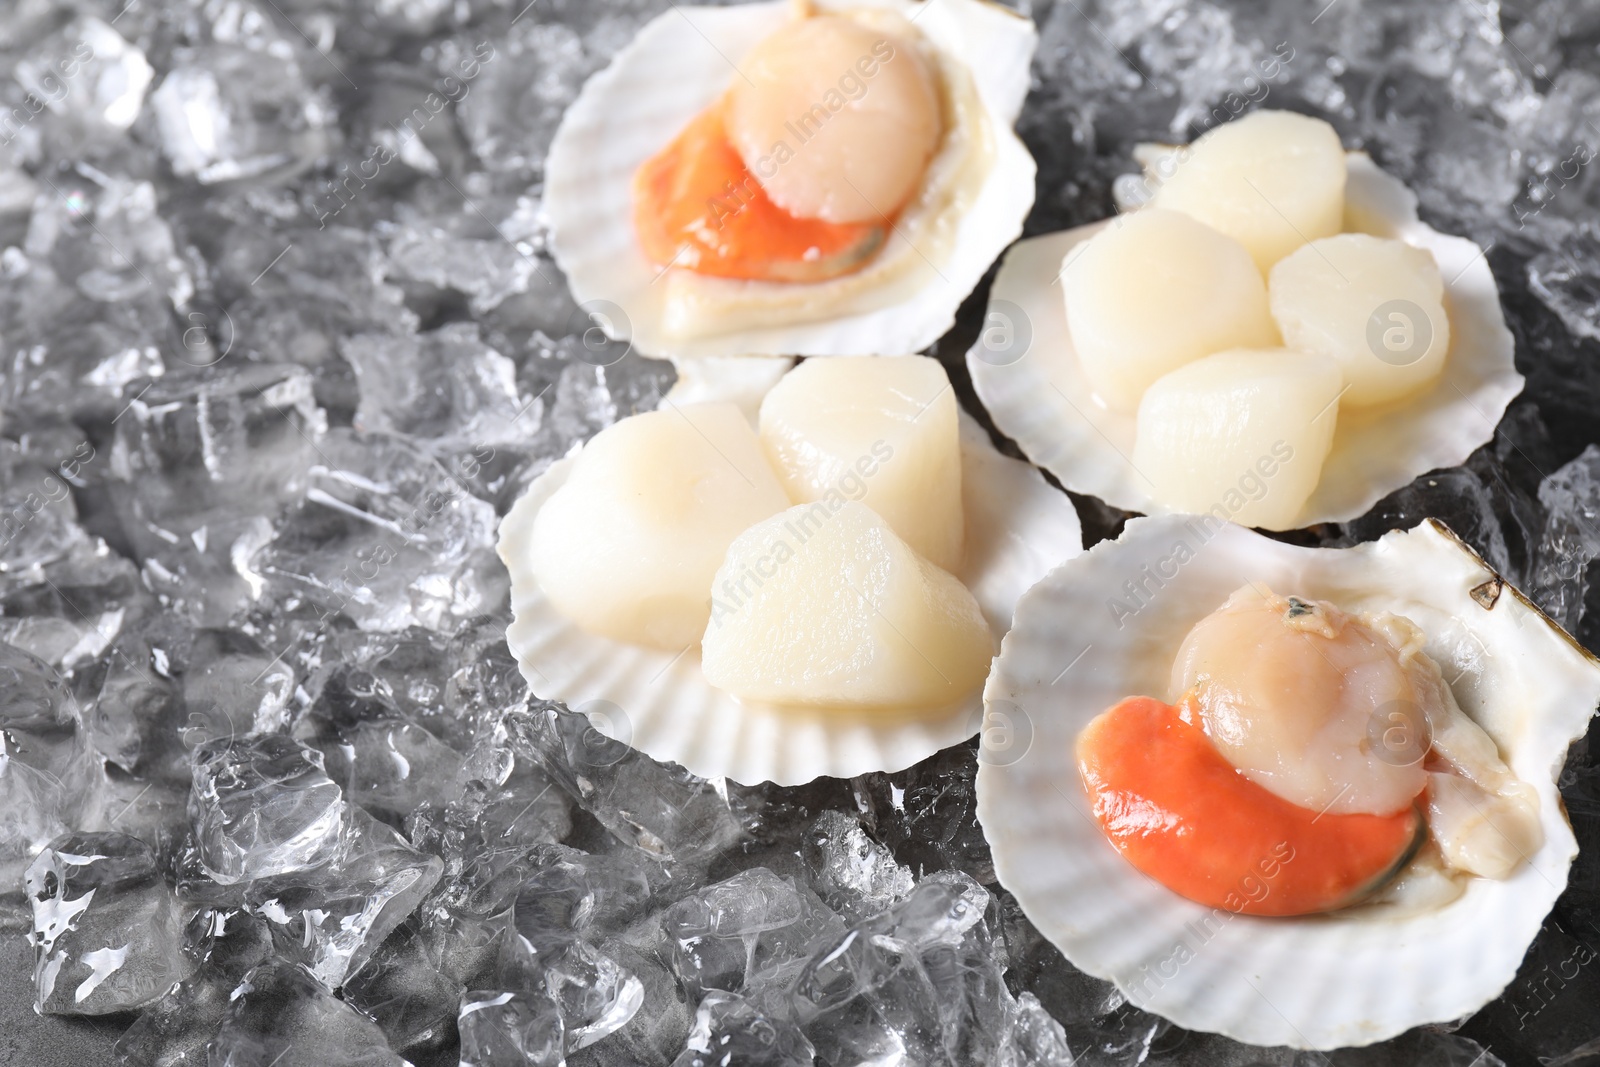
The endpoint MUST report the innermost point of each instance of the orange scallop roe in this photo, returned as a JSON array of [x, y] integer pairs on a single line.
[[697, 206], [1183, 815]]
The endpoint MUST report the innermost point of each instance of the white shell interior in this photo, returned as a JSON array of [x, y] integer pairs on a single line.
[[1347, 978], [1043, 401], [678, 65], [1018, 527]]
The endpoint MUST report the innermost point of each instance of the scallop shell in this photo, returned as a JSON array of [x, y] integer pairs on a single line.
[[1043, 401], [1018, 527], [1347, 978], [682, 61]]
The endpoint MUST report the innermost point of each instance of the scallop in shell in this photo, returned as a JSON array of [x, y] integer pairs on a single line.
[[1108, 624], [907, 295], [1017, 528], [1029, 378]]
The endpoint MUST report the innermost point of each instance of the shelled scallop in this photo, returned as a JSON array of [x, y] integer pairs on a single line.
[[1297, 796], [794, 178], [820, 591], [1267, 335]]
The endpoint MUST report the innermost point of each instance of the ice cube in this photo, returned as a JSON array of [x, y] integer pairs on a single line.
[[921, 980], [87, 70], [659, 809], [595, 995], [927, 814], [488, 269], [105, 926], [103, 235], [48, 775], [484, 681], [75, 354], [224, 944], [34, 808], [394, 768], [520, 1029], [491, 838], [754, 1031], [176, 1029], [656, 1033], [386, 537], [244, 437], [233, 687], [569, 894], [263, 806], [33, 698], [227, 112], [445, 385], [338, 913], [132, 721], [749, 930], [852, 872], [1568, 280], [283, 1017], [1571, 538], [1036, 967], [1121, 1039], [293, 292], [510, 117], [412, 986], [1033, 1038], [202, 459], [394, 677]]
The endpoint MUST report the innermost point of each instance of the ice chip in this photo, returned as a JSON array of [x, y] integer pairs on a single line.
[[338, 913], [263, 806], [412, 985], [854, 873], [105, 926], [509, 118], [446, 385], [1033, 1039], [387, 537], [568, 894], [47, 770], [226, 112], [595, 995], [922, 979], [1571, 538], [753, 1032], [499, 1028], [739, 933], [394, 767], [283, 1017], [487, 269], [659, 809], [86, 68], [233, 687]]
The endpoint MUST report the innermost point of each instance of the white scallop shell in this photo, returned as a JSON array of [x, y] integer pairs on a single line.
[[682, 61], [1018, 527], [1348, 978], [1043, 401]]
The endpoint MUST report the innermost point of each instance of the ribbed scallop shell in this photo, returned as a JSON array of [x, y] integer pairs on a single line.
[[1348, 978], [681, 62], [1018, 527], [1044, 403]]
